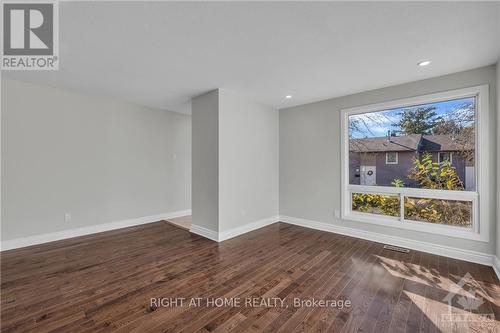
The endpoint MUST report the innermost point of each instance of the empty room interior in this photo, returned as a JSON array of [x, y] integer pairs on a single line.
[[250, 166]]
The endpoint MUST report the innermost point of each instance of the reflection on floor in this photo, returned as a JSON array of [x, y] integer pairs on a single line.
[[183, 222], [106, 282]]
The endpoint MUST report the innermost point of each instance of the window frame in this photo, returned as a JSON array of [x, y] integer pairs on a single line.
[[445, 152], [387, 158], [479, 198]]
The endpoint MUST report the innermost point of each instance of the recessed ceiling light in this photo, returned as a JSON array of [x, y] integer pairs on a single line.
[[424, 63], [288, 96]]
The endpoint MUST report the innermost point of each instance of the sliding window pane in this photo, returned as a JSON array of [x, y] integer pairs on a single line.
[[379, 204], [439, 211]]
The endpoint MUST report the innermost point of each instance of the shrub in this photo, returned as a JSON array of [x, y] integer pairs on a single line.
[[376, 203], [433, 175]]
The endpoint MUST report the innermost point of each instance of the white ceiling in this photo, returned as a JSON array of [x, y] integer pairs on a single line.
[[162, 54]]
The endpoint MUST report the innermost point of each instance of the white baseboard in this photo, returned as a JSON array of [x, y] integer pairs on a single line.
[[70, 233], [496, 266], [204, 232], [224, 235], [472, 256], [231, 233]]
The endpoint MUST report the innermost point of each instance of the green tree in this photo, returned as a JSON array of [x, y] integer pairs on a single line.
[[417, 120]]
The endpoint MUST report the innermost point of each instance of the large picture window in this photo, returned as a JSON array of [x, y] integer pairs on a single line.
[[418, 163]]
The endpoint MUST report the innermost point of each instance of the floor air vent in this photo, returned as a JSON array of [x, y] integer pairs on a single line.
[[396, 248]]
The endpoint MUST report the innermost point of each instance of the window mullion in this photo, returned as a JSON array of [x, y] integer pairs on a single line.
[[401, 207]]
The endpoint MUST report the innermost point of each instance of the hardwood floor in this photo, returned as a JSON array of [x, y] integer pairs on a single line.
[[105, 282]]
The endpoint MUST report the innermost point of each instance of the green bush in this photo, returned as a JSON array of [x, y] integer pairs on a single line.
[[376, 203]]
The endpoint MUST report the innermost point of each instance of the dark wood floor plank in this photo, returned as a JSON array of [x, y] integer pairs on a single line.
[[361, 293], [344, 286], [104, 282], [400, 314], [392, 289]]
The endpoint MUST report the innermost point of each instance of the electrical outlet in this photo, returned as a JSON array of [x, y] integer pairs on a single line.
[[67, 217], [336, 214]]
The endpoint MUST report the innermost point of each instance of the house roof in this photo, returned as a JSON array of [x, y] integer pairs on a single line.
[[443, 143], [381, 144], [412, 142]]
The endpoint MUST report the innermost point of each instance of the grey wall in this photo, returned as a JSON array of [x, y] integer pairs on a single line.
[[205, 150], [248, 161], [310, 183], [498, 158], [98, 159], [235, 161]]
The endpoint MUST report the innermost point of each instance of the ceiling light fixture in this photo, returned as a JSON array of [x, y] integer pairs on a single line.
[[288, 96], [424, 63]]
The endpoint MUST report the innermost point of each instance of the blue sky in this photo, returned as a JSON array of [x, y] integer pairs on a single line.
[[376, 124]]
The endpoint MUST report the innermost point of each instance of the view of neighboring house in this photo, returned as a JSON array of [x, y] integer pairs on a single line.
[[380, 160]]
